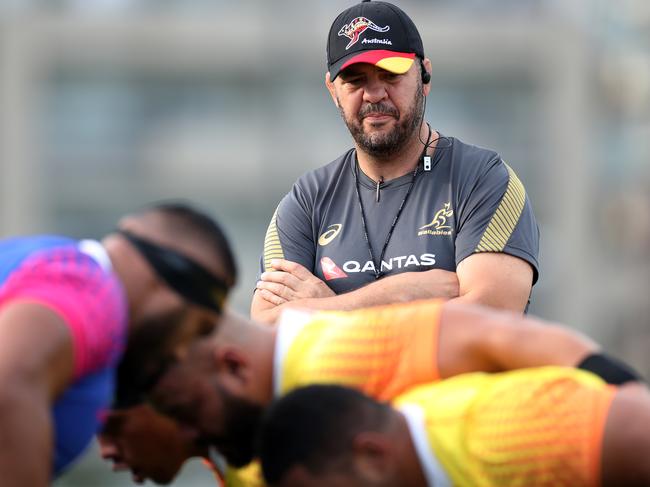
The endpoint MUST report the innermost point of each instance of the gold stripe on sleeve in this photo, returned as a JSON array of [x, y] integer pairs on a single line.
[[272, 245], [505, 219]]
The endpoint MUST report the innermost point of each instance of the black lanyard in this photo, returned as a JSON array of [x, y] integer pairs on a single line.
[[377, 266]]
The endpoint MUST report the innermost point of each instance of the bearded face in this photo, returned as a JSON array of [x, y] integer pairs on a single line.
[[384, 140]]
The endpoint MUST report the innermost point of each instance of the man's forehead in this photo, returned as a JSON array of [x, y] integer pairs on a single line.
[[357, 69]]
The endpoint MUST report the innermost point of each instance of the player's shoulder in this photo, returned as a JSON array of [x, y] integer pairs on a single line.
[[27, 245], [83, 264], [16, 251]]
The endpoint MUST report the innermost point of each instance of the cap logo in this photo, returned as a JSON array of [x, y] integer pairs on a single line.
[[357, 27]]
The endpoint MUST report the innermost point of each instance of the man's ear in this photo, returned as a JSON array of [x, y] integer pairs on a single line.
[[330, 87], [232, 365], [373, 456], [426, 64]]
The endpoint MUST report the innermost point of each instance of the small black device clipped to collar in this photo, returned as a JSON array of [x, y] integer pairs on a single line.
[[426, 162]]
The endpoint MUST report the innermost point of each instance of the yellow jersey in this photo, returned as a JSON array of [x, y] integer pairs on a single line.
[[228, 476], [529, 427], [381, 351]]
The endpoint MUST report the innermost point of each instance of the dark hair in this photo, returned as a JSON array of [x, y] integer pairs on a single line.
[[315, 427], [144, 361], [186, 219]]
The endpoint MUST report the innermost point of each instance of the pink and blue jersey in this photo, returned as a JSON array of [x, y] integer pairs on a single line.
[[74, 279]]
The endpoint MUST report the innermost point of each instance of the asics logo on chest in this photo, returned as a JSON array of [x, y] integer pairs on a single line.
[[330, 234]]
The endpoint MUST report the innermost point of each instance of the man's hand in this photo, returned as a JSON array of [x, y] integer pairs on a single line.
[[407, 286], [290, 281]]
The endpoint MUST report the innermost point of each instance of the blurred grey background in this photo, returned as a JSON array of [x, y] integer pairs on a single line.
[[106, 105]]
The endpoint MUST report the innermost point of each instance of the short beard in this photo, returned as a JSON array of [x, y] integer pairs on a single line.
[[241, 420], [384, 146]]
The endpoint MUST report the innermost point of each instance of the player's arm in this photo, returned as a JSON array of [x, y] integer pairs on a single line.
[[477, 338], [292, 285], [36, 364]]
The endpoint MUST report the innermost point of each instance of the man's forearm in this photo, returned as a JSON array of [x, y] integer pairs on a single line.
[[407, 286], [494, 298]]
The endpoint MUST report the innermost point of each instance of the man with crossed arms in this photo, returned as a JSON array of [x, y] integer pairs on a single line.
[[408, 213]]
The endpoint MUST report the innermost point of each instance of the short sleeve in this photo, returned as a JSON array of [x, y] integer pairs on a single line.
[[89, 299], [498, 217], [289, 234]]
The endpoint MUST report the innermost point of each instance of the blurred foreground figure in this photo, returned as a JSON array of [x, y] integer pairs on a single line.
[[70, 311], [151, 445], [223, 383], [533, 427]]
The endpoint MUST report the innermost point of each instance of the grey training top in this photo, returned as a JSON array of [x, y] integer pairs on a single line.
[[470, 201]]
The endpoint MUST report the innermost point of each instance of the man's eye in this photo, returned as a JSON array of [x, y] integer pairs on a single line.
[[353, 81], [206, 328]]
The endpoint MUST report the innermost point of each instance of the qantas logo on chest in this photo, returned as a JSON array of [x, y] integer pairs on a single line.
[[332, 271]]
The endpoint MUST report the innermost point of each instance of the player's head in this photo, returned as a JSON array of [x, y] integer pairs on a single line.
[[149, 444], [214, 387], [177, 269], [328, 436], [378, 76], [192, 233]]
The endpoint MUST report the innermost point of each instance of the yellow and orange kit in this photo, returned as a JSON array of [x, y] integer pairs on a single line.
[[381, 351], [529, 427]]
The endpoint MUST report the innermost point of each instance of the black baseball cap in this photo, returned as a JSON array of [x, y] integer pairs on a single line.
[[377, 33]]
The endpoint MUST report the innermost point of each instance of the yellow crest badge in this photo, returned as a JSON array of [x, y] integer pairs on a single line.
[[438, 225]]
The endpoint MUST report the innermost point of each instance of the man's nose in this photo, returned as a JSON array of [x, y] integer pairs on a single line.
[[108, 449], [374, 90]]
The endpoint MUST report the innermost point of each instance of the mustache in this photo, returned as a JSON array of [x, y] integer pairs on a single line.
[[378, 109]]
